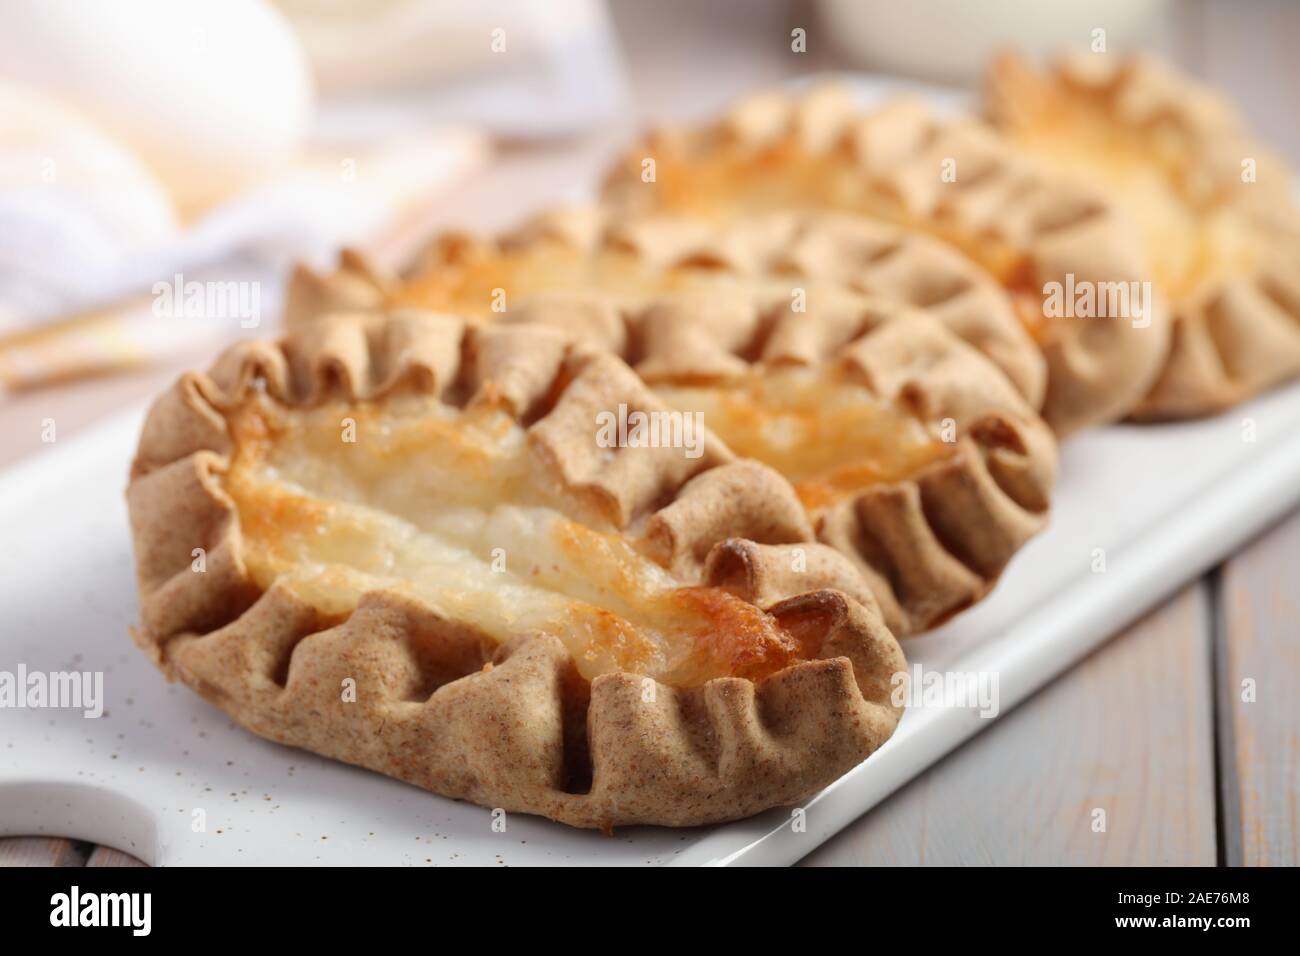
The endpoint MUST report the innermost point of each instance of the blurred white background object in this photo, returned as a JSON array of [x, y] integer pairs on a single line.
[[74, 206], [519, 68], [951, 40], [380, 157], [144, 140], [211, 94]]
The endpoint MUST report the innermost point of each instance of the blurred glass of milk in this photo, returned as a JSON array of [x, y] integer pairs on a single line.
[[952, 40]]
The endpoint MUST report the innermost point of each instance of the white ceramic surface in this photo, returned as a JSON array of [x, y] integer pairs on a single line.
[[952, 40], [1165, 503]]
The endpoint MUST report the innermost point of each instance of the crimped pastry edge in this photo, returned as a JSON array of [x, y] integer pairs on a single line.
[[507, 735], [1239, 336], [908, 265], [1097, 369], [928, 546]]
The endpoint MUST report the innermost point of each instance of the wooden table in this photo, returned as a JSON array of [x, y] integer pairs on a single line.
[[1187, 771], [1155, 728]]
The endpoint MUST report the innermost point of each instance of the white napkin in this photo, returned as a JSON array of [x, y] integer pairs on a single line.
[[109, 315]]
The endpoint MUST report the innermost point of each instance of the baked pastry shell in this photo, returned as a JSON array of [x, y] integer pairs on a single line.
[[511, 726], [799, 247], [1238, 334], [927, 545], [1098, 369]]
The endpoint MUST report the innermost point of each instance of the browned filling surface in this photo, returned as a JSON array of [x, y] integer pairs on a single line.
[[1193, 232], [441, 504], [831, 437], [729, 181]]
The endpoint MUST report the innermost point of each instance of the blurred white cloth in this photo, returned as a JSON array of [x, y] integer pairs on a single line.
[[212, 96], [50, 268], [73, 205], [61, 253], [94, 212]]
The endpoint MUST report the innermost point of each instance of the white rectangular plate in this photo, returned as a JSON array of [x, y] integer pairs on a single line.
[[1163, 503]]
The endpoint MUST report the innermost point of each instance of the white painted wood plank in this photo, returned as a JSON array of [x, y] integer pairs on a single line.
[[1128, 732], [41, 851], [107, 856], [1259, 739]]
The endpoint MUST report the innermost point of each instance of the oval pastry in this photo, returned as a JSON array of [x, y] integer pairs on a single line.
[[1216, 210], [419, 510], [637, 258], [1037, 233], [913, 456]]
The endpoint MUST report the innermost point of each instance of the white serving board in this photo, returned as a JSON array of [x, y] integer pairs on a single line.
[[1164, 503]]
